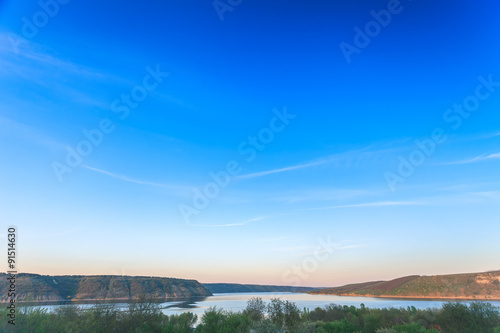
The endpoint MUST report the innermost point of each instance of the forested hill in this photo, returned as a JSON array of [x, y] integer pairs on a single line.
[[251, 288], [38, 288], [480, 286]]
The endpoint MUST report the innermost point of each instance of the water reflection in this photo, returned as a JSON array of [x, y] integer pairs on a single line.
[[238, 302]]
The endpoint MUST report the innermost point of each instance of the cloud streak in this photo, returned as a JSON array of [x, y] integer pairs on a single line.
[[290, 168], [292, 197], [475, 159], [28, 133], [30, 55], [340, 248], [346, 158], [369, 204], [239, 224], [134, 181]]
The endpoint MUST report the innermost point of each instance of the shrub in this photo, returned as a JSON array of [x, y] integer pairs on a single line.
[[460, 318], [412, 328], [255, 309]]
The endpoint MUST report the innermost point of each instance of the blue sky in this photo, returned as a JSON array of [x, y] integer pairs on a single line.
[[322, 177]]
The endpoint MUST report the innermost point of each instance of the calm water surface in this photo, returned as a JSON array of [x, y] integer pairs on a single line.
[[238, 302]]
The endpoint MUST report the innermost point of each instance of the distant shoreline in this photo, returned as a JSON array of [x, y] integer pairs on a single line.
[[106, 301], [125, 300], [436, 298]]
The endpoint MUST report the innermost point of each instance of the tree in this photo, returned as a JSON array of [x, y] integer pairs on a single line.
[[212, 321], [459, 318], [180, 323], [340, 326], [412, 328], [255, 309], [276, 311], [237, 323], [486, 317], [372, 322], [143, 312], [291, 315]]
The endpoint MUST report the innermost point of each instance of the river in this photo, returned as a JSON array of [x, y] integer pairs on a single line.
[[237, 302]]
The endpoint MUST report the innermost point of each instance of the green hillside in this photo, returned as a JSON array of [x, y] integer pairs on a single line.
[[481, 286], [39, 288]]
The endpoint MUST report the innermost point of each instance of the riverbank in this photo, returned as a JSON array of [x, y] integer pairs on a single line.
[[430, 298]]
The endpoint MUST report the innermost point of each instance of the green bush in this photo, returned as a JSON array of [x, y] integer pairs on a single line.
[[412, 328], [255, 309], [143, 316], [212, 321], [372, 322], [460, 318], [341, 326]]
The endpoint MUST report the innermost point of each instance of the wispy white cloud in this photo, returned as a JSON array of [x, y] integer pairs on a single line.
[[135, 181], [475, 159], [489, 135], [290, 168], [31, 63], [492, 156], [291, 197], [218, 225], [28, 133], [479, 196], [275, 239], [383, 203], [369, 204], [32, 56], [171, 99], [338, 248], [348, 158], [37, 64], [238, 224], [348, 247], [291, 249]]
